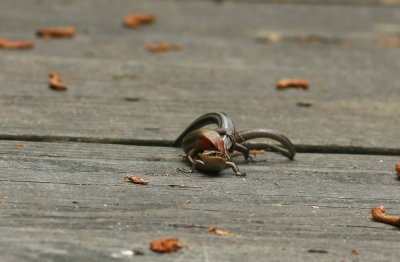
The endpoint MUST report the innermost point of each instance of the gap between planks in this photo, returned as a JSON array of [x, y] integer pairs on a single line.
[[300, 148]]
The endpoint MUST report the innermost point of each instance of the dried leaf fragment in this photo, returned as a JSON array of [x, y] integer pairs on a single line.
[[136, 180], [136, 20], [378, 214], [355, 251], [19, 145], [162, 47], [56, 32], [292, 83], [8, 44], [55, 82], [165, 245], [220, 232], [398, 169]]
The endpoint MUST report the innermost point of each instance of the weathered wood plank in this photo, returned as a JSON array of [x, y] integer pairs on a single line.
[[190, 18], [108, 70], [280, 210], [349, 108], [319, 2]]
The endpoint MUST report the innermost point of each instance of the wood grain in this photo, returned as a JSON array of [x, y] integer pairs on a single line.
[[348, 109], [69, 201], [119, 90], [282, 209], [319, 2]]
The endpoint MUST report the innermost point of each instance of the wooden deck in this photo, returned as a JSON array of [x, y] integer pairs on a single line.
[[63, 155]]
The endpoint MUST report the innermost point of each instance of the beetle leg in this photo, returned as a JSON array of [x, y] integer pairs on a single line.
[[234, 168], [190, 155], [246, 154]]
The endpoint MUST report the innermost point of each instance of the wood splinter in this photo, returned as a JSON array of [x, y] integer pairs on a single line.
[[220, 232], [292, 83], [136, 20], [136, 179], [162, 47], [8, 44], [55, 82], [56, 32], [378, 214], [165, 245]]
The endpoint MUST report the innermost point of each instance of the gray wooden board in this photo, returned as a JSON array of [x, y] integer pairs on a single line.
[[348, 108], [353, 88], [316, 2], [118, 90], [280, 211], [97, 20]]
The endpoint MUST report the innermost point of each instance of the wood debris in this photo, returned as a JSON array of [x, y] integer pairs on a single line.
[[136, 20], [174, 185], [271, 37], [318, 251], [8, 44], [55, 82], [378, 214], [292, 83], [136, 252], [257, 152], [355, 251], [19, 145], [136, 180], [165, 245], [398, 169], [220, 232], [390, 41], [304, 104], [56, 32], [162, 47]]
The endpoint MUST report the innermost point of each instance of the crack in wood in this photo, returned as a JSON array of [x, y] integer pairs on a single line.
[[300, 148]]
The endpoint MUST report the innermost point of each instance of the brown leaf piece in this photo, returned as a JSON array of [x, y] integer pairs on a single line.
[[136, 20], [19, 145], [292, 83], [398, 169], [378, 213], [162, 47], [165, 245], [55, 82], [220, 232], [8, 44], [136, 180], [56, 32]]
